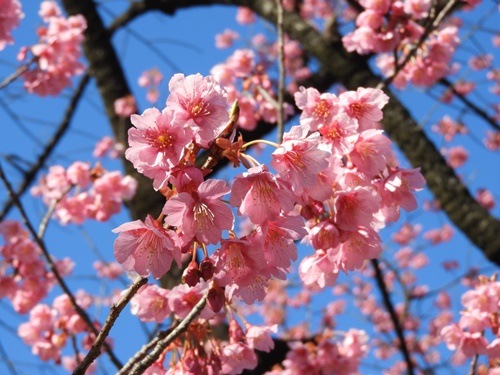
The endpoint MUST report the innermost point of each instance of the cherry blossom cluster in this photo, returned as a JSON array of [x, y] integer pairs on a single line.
[[83, 193], [50, 328], [325, 356], [387, 26], [107, 146], [477, 331], [10, 17], [334, 170], [55, 57], [24, 278], [245, 76], [203, 354], [150, 79]]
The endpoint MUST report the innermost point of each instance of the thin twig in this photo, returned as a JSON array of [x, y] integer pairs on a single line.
[[45, 220], [50, 146], [473, 365], [281, 67], [52, 265], [140, 367], [478, 111], [428, 30], [19, 71], [114, 312], [395, 320], [141, 353]]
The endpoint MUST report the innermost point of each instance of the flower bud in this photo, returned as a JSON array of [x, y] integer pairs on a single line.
[[207, 268], [216, 298], [191, 274]]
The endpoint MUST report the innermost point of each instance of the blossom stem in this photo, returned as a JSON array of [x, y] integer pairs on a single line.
[[251, 160], [281, 68], [276, 145]]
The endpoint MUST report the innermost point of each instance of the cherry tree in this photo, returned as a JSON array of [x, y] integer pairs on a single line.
[[264, 213]]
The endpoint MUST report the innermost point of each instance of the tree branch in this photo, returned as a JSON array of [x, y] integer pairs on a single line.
[[114, 312], [52, 266], [394, 317]]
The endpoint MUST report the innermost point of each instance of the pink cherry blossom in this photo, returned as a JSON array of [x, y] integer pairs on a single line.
[[354, 208], [226, 39], [125, 106], [279, 240], [456, 156], [370, 152], [318, 270], [299, 159], [237, 357], [239, 261], [150, 304], [417, 8], [449, 128], [199, 103], [340, 134], [317, 109], [245, 16], [406, 233], [241, 63], [365, 105], [485, 198], [258, 337], [182, 298], [260, 195], [78, 173], [380, 6], [11, 17], [146, 247], [201, 214], [442, 234], [156, 144], [361, 245], [57, 53]]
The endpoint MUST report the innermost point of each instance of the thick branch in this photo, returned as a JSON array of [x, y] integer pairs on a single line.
[[105, 67]]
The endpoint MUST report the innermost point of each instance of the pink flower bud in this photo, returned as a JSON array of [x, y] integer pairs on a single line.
[[216, 298], [191, 274], [207, 269]]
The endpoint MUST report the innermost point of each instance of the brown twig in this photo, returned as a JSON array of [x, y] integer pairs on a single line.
[[394, 318], [114, 313], [478, 111], [281, 67], [473, 365], [431, 26], [30, 175], [148, 360], [52, 265], [18, 73]]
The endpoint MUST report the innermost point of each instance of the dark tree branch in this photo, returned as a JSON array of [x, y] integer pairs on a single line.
[[31, 174], [106, 68], [379, 277], [476, 109], [353, 72]]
